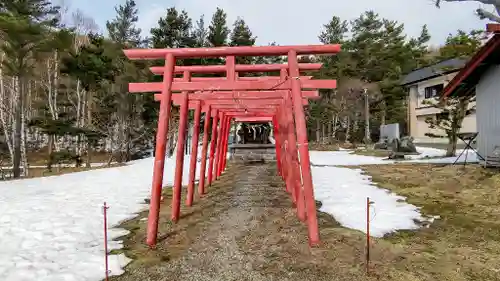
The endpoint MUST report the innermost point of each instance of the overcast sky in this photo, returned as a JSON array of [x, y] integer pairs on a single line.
[[300, 21]]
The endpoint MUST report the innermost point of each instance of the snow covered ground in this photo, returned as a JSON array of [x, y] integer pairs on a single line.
[[343, 191], [347, 158], [52, 228]]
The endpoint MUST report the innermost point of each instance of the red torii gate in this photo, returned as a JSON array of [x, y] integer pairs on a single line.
[[283, 117]]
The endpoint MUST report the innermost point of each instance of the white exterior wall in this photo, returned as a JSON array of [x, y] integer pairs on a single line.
[[418, 111], [445, 79], [488, 111]]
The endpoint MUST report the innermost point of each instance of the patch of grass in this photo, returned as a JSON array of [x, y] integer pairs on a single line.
[[465, 241], [323, 147], [372, 152], [39, 157], [43, 172]]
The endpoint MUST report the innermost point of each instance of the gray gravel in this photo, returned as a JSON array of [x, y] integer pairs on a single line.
[[215, 255]]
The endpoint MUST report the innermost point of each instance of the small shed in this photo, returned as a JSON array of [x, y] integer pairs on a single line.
[[481, 77]]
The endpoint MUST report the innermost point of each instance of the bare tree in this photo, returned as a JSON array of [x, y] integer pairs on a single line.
[[482, 13]]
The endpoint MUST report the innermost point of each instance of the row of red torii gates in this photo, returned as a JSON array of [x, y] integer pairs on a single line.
[[280, 99]]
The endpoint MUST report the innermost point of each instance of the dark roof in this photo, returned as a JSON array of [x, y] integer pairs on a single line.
[[435, 70], [466, 80]]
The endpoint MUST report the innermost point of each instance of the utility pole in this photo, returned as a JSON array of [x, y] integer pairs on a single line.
[[367, 117]]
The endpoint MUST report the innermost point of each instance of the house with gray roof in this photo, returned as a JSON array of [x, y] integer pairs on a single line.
[[425, 84]]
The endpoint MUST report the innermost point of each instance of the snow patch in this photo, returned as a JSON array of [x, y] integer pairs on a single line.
[[343, 193], [51, 228]]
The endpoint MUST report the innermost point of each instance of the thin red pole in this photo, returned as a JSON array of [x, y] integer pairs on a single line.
[[179, 165], [212, 146], [295, 171], [224, 144], [221, 148], [161, 144], [204, 152], [367, 235], [106, 263], [277, 146], [300, 123], [194, 155], [282, 140], [222, 118]]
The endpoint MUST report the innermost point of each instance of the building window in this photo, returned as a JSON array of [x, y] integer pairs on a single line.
[[433, 91]]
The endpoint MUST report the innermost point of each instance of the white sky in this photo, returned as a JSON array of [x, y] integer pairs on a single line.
[[300, 21]]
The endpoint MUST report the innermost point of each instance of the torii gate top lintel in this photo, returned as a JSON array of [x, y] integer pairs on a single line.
[[137, 54]]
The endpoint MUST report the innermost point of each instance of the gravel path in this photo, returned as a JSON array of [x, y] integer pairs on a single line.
[[245, 229], [215, 256]]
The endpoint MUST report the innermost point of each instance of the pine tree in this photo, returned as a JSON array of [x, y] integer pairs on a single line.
[[218, 32], [27, 29], [200, 33], [218, 35], [93, 67], [122, 29], [124, 33], [242, 36], [461, 45], [330, 106], [334, 32], [173, 31]]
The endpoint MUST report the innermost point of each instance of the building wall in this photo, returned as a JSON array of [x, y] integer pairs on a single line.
[[488, 113], [419, 111]]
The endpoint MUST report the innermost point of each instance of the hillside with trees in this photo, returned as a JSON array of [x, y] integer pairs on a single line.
[[63, 86]]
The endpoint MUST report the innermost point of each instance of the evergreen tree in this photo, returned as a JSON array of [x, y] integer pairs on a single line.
[[329, 106], [218, 35], [461, 45], [27, 29], [242, 36], [94, 68], [122, 29], [173, 31], [124, 33], [200, 33], [334, 32], [218, 32]]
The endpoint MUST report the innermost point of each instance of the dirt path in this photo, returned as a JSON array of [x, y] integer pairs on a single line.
[[245, 229]]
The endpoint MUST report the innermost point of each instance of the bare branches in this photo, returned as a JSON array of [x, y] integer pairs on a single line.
[[482, 13]]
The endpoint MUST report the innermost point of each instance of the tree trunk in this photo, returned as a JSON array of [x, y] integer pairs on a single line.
[[335, 126], [329, 133], [452, 146], [24, 155], [90, 126], [383, 113], [348, 129], [16, 163], [318, 133], [323, 137], [6, 113], [50, 152], [367, 120]]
